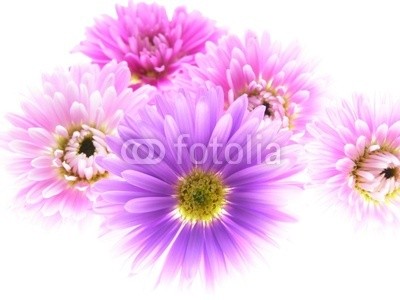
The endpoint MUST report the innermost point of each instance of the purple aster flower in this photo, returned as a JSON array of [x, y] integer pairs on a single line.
[[355, 158], [54, 141], [279, 79], [154, 46], [204, 188]]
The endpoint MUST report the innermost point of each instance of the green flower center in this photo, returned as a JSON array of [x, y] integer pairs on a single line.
[[201, 196]]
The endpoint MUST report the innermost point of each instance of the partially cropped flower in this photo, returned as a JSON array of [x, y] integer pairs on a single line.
[[154, 46], [279, 79], [54, 141], [355, 158], [204, 188]]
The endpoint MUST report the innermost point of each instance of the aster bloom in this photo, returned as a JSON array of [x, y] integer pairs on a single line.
[[279, 79], [61, 130], [154, 46], [204, 188], [355, 158]]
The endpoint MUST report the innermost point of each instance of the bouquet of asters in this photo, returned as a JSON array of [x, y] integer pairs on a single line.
[[191, 141]]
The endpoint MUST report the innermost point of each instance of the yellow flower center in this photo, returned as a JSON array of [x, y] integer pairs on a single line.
[[377, 175], [201, 196], [75, 153], [275, 99]]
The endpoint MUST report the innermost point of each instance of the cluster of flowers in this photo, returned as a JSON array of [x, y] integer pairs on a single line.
[[191, 140]]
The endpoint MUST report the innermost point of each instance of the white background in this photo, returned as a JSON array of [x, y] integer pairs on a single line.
[[320, 257]]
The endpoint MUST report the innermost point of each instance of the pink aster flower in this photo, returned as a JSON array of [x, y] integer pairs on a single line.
[[203, 188], [355, 158], [55, 140], [154, 46], [279, 79]]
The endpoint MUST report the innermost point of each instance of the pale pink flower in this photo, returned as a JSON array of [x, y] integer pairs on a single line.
[[355, 158], [279, 78], [54, 141]]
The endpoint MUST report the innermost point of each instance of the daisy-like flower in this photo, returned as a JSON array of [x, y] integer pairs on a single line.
[[154, 46], [55, 140], [203, 188], [279, 79], [355, 158]]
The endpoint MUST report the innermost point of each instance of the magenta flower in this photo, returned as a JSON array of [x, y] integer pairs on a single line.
[[355, 158], [154, 46], [55, 140], [204, 187], [279, 79]]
